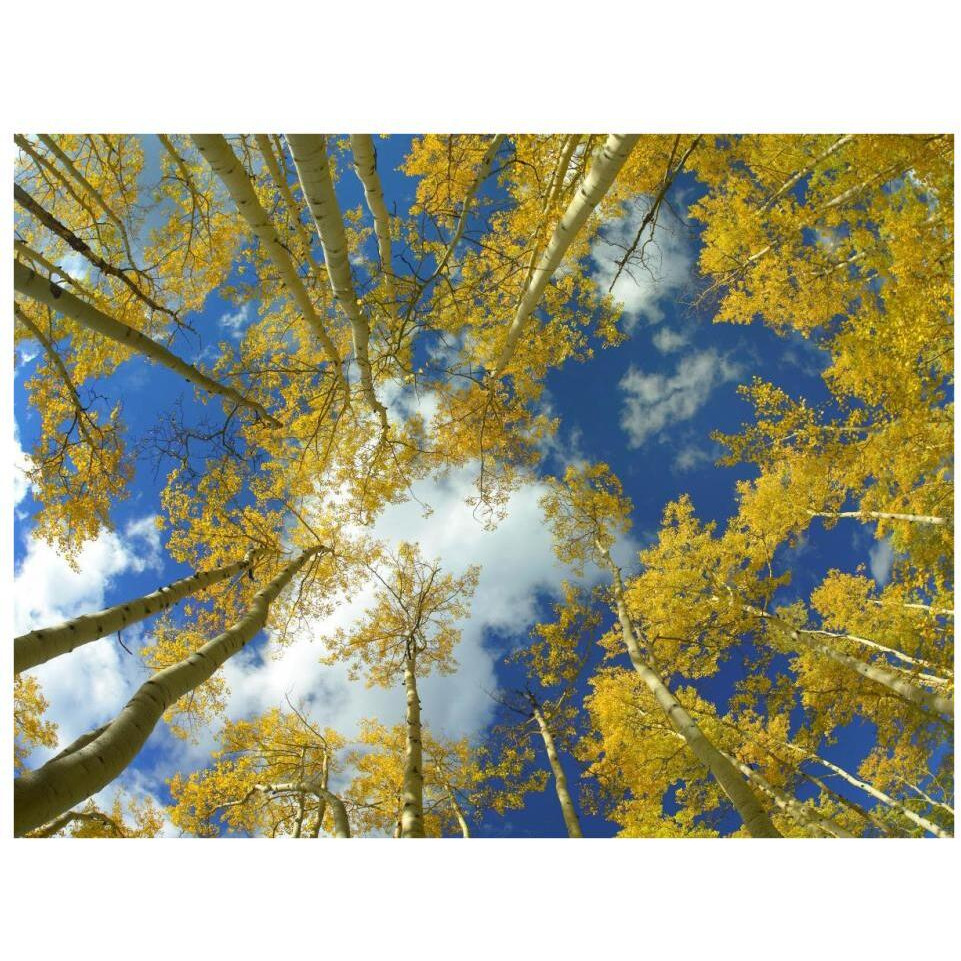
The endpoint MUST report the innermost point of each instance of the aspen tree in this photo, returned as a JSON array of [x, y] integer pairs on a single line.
[[94, 759], [560, 778], [552, 660], [46, 292], [78, 244], [313, 169], [409, 630], [585, 511], [40, 645], [88, 188], [270, 775], [129, 817], [365, 165], [224, 163], [602, 173], [454, 786]]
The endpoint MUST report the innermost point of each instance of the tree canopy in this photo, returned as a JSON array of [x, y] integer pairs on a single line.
[[293, 387]]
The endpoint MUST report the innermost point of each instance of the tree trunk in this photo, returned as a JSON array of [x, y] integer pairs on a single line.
[[866, 642], [95, 759], [790, 805], [412, 816], [81, 247], [804, 171], [598, 182], [299, 821], [365, 164], [43, 644], [734, 786], [338, 812], [914, 817], [319, 790], [45, 291], [23, 250], [927, 608], [863, 813], [58, 824], [89, 188], [310, 158], [62, 180], [270, 159], [458, 812], [224, 163], [883, 515], [928, 798], [557, 182], [560, 778], [934, 703], [321, 799]]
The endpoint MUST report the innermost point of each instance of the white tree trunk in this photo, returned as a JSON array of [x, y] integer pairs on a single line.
[[745, 802], [885, 799], [927, 608], [62, 180], [45, 643], [339, 813], [550, 198], [598, 181], [21, 249], [365, 165], [412, 815], [560, 778], [58, 824], [790, 805], [270, 159], [928, 798], [886, 829], [883, 515], [804, 171], [899, 655], [224, 163], [310, 158], [337, 808], [458, 812], [81, 247], [96, 758], [45, 291], [935, 703], [92, 191]]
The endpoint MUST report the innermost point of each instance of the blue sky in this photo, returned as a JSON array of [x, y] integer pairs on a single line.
[[646, 407]]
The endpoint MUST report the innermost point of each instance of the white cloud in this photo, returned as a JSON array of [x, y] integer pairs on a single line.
[[640, 288], [690, 457], [517, 562], [76, 266], [655, 401], [237, 321], [25, 353], [806, 355], [667, 340], [881, 560], [48, 590]]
